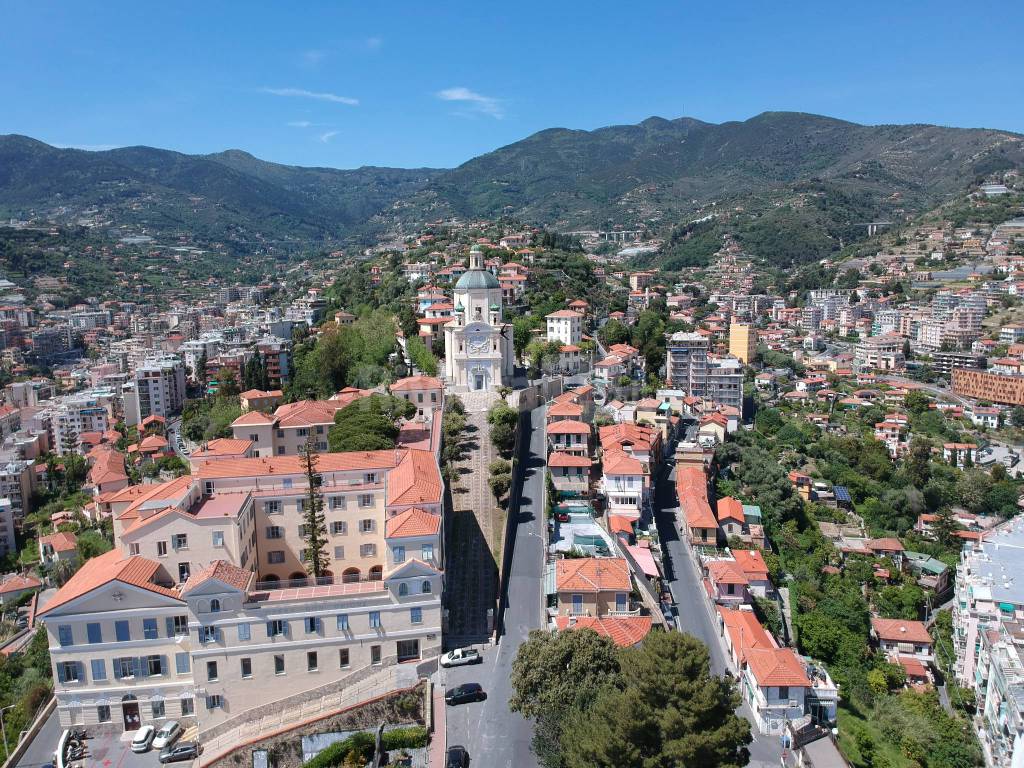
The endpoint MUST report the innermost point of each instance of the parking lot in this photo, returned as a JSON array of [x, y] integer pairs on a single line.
[[107, 749]]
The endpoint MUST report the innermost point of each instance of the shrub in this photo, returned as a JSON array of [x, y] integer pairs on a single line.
[[413, 737], [499, 467]]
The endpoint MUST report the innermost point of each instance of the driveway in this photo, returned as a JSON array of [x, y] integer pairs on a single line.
[[105, 750], [495, 736]]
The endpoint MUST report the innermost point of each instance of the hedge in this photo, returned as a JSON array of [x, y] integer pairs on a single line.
[[412, 737]]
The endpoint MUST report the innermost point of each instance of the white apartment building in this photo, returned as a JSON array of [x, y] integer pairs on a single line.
[[159, 390], [565, 326], [7, 539], [67, 418], [18, 484]]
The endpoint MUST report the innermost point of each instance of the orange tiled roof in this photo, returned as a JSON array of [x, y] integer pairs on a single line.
[[726, 572], [416, 480], [730, 509], [416, 382], [776, 666], [565, 409], [566, 459], [108, 467], [412, 522], [232, 575], [620, 463], [111, 566], [252, 418], [745, 631], [223, 446], [624, 631], [900, 630], [751, 562], [62, 541], [18, 582], [569, 427], [592, 574], [292, 465]]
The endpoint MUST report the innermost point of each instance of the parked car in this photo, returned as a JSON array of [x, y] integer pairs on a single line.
[[562, 517], [169, 733], [456, 757], [183, 750], [465, 693], [143, 739], [461, 656]]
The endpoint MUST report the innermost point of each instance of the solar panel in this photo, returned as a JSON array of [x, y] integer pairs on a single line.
[[841, 493]]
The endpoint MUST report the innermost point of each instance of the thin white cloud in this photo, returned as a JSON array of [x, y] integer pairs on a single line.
[[487, 105], [299, 124], [373, 43], [89, 147], [317, 95], [327, 136]]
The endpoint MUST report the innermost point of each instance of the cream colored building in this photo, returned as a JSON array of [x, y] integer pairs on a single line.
[[743, 342], [478, 342]]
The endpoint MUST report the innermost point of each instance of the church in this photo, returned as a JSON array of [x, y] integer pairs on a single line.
[[478, 352]]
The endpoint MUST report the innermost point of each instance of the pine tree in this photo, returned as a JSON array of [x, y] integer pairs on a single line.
[[315, 522], [200, 372]]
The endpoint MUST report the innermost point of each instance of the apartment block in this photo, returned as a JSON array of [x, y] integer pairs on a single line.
[[565, 326], [159, 390], [742, 342], [994, 387]]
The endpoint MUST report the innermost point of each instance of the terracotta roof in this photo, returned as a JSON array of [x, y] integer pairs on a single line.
[[627, 434], [565, 409], [621, 463], [624, 631], [62, 541], [292, 465], [232, 575], [565, 313], [885, 545], [416, 382], [730, 509], [620, 524], [751, 562], [108, 467], [169, 491], [912, 666], [745, 631], [152, 443], [416, 479], [306, 412], [17, 582], [569, 427], [592, 574], [726, 572], [252, 418], [776, 666], [223, 446], [111, 566], [252, 394], [412, 522], [566, 459], [900, 630], [153, 419]]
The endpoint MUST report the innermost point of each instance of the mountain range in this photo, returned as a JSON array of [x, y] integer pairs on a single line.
[[660, 174]]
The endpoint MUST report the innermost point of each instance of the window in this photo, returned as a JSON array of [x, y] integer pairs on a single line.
[[407, 650], [207, 634], [365, 500], [103, 713], [303, 530], [367, 550], [275, 556], [343, 622], [320, 429], [621, 603], [208, 487], [188, 706], [275, 532], [343, 660], [157, 708], [370, 477], [64, 635], [425, 587], [254, 438], [403, 589], [124, 667], [177, 626], [280, 433], [312, 625], [215, 701], [783, 691], [302, 432], [179, 541], [303, 554], [149, 630], [154, 666], [577, 604], [133, 549], [67, 672], [182, 663], [272, 507], [244, 633], [280, 450], [339, 553], [300, 506], [311, 663], [94, 632], [366, 526], [398, 553], [215, 605], [276, 627], [246, 668], [98, 667], [161, 548], [211, 670], [278, 664], [338, 502], [122, 631], [375, 654], [218, 538], [374, 619], [184, 570], [427, 552], [339, 527], [416, 615]]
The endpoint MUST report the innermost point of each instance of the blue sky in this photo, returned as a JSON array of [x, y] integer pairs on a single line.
[[435, 83]]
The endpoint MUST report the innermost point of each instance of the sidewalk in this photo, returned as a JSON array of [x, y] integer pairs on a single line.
[[439, 738]]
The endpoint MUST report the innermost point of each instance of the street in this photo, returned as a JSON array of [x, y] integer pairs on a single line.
[[495, 736], [40, 751]]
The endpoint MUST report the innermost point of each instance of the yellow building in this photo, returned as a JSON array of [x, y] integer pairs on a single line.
[[742, 342]]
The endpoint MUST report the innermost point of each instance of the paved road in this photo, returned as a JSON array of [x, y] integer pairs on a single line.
[[494, 736], [40, 751], [693, 612]]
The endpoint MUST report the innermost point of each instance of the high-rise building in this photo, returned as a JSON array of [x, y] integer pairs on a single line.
[[686, 362], [159, 390], [742, 342]]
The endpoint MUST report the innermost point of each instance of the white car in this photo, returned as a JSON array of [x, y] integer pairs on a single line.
[[143, 738], [461, 656], [167, 735]]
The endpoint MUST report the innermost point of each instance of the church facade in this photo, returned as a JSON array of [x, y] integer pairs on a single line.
[[478, 350]]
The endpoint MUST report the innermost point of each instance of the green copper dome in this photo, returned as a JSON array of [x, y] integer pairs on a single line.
[[476, 278]]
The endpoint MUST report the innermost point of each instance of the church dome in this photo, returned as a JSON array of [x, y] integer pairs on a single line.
[[476, 278]]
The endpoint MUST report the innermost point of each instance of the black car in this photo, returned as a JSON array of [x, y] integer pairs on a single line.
[[176, 753], [462, 694], [456, 757]]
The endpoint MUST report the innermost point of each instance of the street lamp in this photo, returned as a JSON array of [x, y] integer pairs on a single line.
[[3, 729]]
